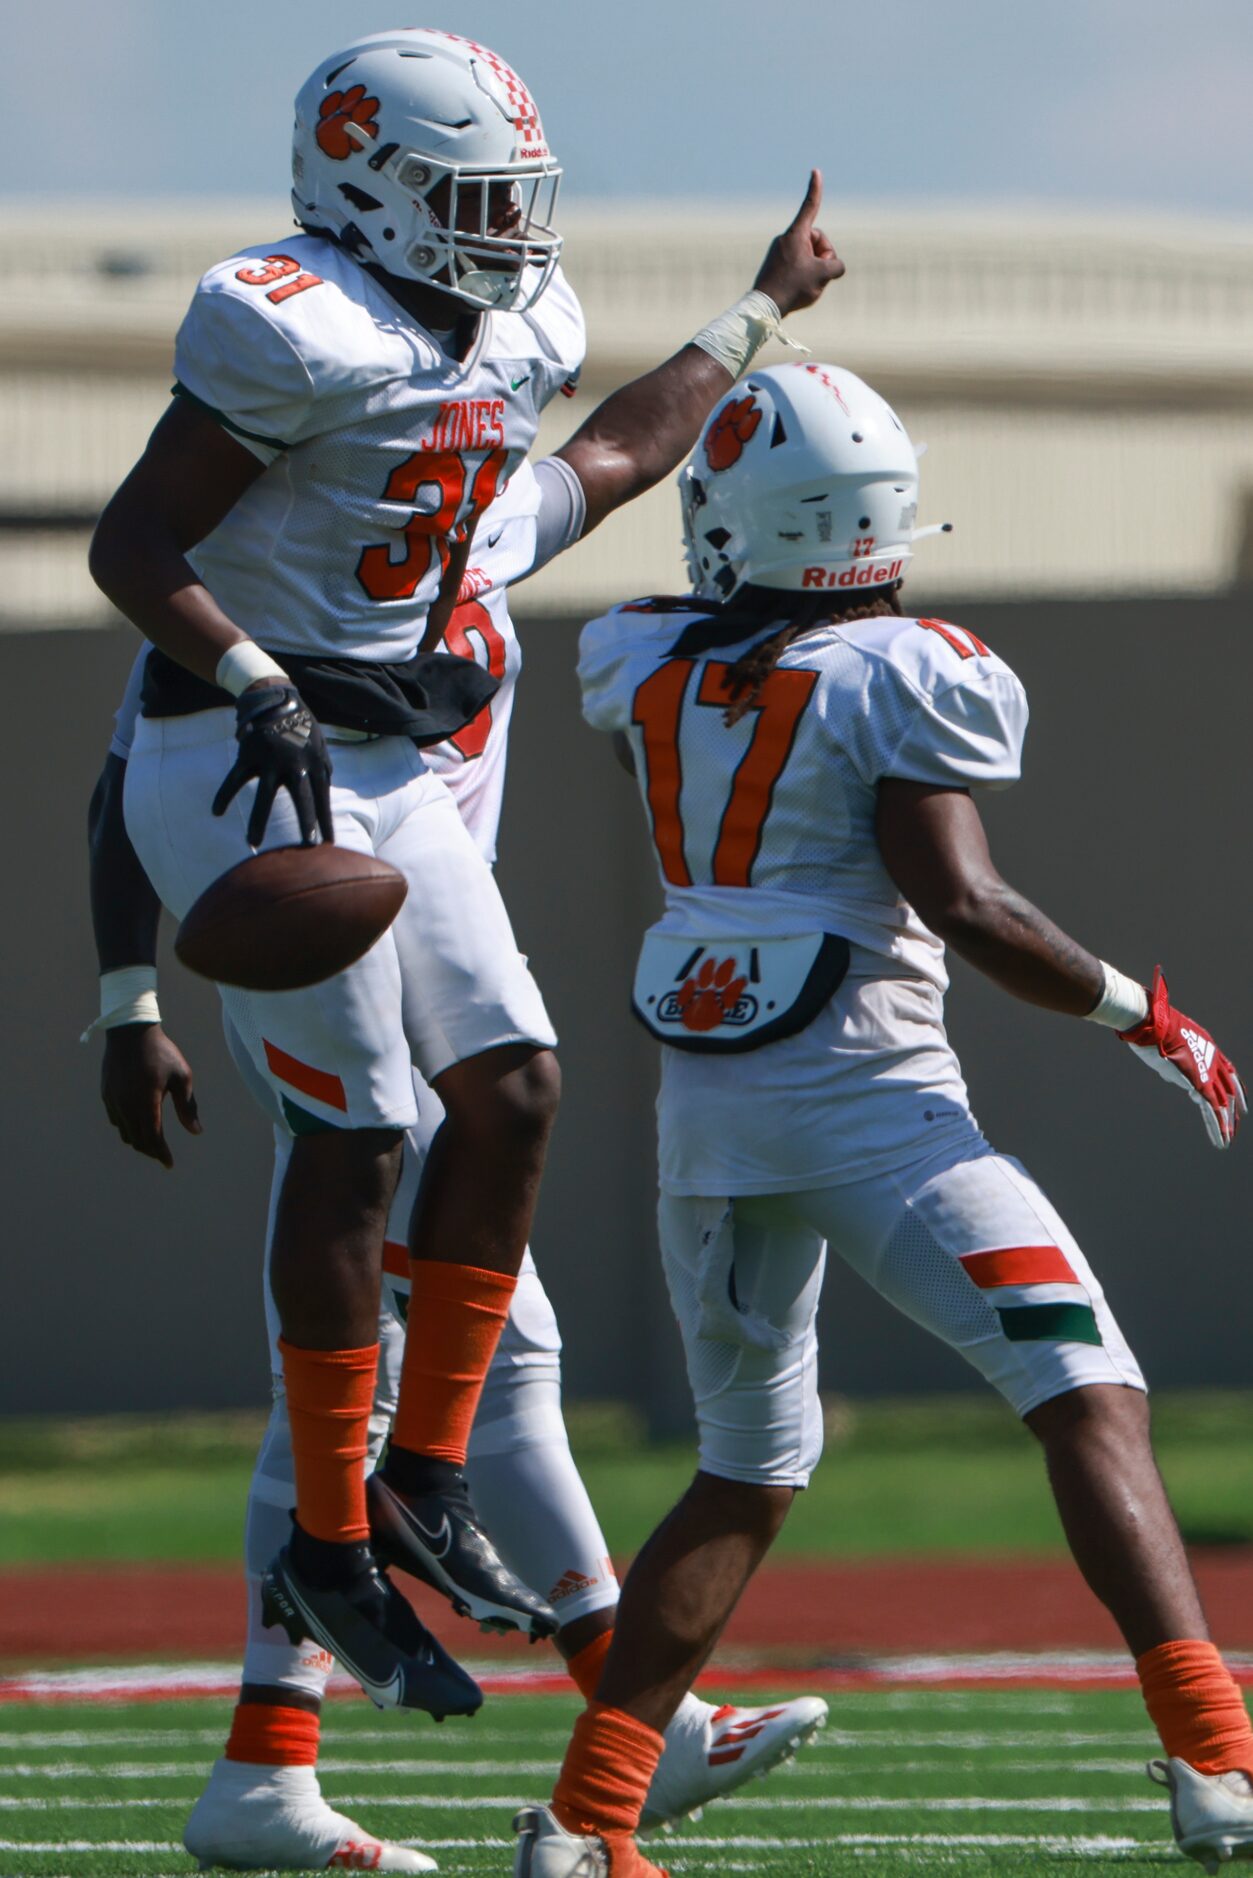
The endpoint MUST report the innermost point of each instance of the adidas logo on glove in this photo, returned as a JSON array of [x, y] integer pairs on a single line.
[[1202, 1049]]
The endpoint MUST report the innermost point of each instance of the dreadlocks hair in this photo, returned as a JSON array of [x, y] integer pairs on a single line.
[[747, 677]]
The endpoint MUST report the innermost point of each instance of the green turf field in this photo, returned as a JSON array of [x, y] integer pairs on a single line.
[[952, 1474], [1001, 1784]]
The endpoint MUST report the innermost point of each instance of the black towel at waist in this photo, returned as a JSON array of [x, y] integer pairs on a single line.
[[426, 698]]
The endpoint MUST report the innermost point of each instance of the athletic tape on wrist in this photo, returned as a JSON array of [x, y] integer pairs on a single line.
[[243, 663], [737, 336], [127, 996], [1123, 1004]]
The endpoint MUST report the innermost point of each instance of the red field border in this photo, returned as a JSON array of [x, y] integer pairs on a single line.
[[798, 1616], [159, 1682]]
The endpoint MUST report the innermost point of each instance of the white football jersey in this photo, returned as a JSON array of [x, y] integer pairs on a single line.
[[518, 531], [768, 826], [472, 763], [379, 445]]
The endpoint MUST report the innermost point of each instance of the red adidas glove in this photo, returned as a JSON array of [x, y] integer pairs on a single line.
[[1183, 1053]]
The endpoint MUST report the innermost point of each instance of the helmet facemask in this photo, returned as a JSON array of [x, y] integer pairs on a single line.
[[452, 247]]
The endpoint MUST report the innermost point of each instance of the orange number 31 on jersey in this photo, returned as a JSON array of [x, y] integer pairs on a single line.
[[657, 711], [430, 529]]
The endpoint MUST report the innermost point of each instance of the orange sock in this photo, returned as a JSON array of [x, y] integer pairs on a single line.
[[456, 1315], [608, 1769], [267, 1735], [1196, 1707], [584, 1667], [329, 1397]]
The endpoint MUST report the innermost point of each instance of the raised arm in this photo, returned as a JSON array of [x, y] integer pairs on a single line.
[[934, 846], [642, 432]]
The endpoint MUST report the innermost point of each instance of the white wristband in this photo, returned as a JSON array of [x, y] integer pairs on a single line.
[[1123, 1003], [128, 996], [737, 336], [243, 663]]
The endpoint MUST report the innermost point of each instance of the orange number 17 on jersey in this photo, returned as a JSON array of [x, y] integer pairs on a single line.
[[657, 711]]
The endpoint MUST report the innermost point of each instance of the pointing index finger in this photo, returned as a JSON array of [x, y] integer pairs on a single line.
[[808, 211]]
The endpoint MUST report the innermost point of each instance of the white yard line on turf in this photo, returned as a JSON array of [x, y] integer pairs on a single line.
[[833, 1739], [888, 1673], [184, 1770], [1052, 1842], [480, 1769], [20, 1741], [824, 1803], [983, 1767]]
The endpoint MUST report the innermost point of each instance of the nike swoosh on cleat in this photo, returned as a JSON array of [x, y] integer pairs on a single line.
[[432, 1539], [384, 1693]]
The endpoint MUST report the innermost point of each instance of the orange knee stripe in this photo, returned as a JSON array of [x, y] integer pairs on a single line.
[[329, 1397], [585, 1666], [268, 1735], [1196, 1707], [456, 1315], [608, 1769]]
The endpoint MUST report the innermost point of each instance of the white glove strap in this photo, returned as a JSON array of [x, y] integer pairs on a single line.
[[737, 336], [1123, 1003], [243, 663], [128, 996]]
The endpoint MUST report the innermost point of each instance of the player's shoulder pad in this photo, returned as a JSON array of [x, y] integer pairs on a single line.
[[960, 711], [301, 313], [552, 332], [619, 649]]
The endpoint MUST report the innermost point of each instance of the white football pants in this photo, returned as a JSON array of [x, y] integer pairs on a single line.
[[965, 1243]]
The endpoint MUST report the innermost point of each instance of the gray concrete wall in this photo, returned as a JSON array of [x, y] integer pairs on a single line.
[[126, 1287]]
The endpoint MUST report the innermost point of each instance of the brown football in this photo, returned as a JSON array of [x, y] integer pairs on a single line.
[[290, 917]]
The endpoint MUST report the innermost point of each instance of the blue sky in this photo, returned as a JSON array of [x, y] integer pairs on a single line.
[[1091, 102]]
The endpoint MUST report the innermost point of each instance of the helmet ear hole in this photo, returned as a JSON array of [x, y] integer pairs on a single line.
[[359, 198]]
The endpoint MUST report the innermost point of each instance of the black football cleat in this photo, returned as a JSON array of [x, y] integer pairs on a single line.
[[373, 1631], [436, 1536]]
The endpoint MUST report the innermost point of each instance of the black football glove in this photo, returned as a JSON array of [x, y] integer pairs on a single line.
[[282, 747]]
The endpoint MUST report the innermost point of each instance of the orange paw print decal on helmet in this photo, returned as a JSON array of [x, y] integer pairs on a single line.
[[730, 431], [709, 999], [338, 110]]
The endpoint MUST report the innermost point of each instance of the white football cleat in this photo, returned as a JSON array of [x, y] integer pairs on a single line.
[[1212, 1814], [253, 1818], [546, 1850], [711, 1751]]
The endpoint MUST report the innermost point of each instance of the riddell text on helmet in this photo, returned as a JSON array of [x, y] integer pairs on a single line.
[[867, 574]]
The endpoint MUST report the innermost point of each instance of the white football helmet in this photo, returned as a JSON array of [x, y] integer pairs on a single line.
[[804, 478], [382, 125]]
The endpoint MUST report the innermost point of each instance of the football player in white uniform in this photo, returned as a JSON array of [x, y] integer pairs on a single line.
[[329, 393], [807, 758]]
